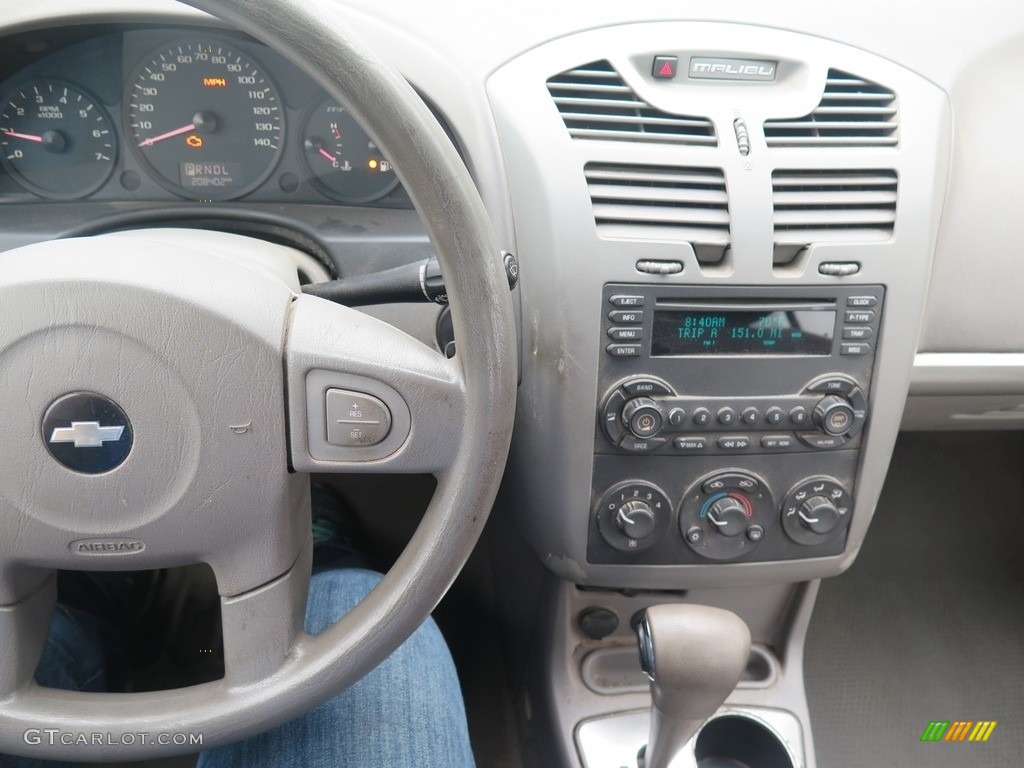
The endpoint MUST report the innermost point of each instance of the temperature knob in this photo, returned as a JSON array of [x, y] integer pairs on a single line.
[[818, 514], [642, 417], [728, 516], [636, 519]]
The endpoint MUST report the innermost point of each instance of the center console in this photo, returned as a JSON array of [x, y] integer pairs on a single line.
[[730, 421], [725, 235]]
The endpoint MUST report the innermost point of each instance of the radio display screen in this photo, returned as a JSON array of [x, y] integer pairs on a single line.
[[792, 332]]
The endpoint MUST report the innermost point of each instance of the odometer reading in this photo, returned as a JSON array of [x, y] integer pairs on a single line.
[[743, 332], [205, 120]]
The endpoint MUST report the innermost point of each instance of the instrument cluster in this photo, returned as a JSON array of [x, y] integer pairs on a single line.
[[194, 114]]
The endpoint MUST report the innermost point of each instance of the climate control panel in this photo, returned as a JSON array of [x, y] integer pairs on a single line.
[[724, 516]]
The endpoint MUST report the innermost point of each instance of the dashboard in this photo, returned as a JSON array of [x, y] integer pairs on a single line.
[[177, 113], [745, 235]]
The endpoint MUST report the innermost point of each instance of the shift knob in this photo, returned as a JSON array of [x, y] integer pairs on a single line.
[[694, 656]]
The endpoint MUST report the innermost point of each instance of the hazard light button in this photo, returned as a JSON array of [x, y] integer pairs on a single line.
[[665, 67]]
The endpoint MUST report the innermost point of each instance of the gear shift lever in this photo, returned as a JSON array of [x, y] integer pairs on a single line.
[[694, 656]]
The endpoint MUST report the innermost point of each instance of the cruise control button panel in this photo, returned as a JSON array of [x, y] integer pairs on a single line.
[[356, 419]]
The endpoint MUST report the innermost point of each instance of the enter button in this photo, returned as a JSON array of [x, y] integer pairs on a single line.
[[355, 419]]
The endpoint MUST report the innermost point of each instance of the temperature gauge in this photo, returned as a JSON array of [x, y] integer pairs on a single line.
[[343, 162]]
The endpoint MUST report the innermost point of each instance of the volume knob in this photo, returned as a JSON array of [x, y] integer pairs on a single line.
[[642, 416]]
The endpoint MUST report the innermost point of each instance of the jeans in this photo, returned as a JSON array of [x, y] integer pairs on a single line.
[[407, 712]]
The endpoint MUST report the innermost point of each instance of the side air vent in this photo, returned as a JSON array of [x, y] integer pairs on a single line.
[[831, 207], [654, 202], [853, 113], [596, 103]]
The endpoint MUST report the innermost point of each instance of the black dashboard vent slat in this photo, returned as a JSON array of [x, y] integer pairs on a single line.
[[654, 202], [830, 206], [853, 112], [595, 103]]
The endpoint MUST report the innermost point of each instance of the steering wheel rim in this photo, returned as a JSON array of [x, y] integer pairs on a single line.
[[315, 37]]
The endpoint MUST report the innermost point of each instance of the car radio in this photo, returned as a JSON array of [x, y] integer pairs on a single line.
[[730, 418]]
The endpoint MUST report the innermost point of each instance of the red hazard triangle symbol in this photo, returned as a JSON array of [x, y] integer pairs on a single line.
[[666, 70]]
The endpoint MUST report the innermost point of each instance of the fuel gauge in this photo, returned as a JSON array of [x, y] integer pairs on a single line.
[[343, 162]]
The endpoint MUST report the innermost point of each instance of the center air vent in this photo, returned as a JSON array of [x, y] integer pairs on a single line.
[[831, 207], [596, 103], [653, 202], [853, 112]]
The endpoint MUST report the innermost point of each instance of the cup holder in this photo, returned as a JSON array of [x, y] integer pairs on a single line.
[[738, 741]]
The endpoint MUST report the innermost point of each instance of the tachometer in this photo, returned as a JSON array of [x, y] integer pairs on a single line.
[[55, 139], [205, 119]]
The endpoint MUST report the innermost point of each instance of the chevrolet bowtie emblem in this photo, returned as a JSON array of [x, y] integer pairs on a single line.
[[86, 434]]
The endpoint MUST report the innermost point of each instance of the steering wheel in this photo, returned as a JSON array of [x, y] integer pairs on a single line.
[[213, 371]]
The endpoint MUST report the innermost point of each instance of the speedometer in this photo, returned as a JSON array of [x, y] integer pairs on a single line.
[[205, 120]]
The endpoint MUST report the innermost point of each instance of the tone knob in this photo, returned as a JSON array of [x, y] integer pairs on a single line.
[[819, 515], [636, 519], [728, 517], [833, 415], [642, 416]]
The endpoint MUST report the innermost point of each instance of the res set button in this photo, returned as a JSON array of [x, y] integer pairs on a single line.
[[355, 419]]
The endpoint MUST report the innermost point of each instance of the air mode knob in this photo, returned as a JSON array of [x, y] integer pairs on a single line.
[[636, 519], [642, 416], [819, 515], [833, 415]]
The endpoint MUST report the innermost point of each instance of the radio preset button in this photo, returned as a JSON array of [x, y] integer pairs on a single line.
[[734, 443], [799, 415], [778, 442], [726, 416], [774, 415], [623, 350], [690, 444], [646, 387], [860, 316], [861, 348], [626, 316], [857, 332], [701, 416], [623, 300], [861, 301], [750, 415], [626, 333], [677, 417]]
